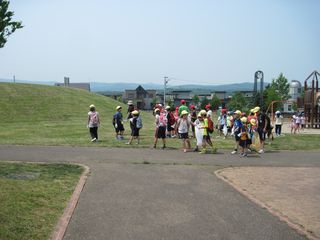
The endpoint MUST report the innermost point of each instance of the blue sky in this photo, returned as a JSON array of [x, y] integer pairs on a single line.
[[191, 41]]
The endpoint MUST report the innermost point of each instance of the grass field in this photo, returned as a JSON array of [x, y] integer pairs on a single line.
[[48, 115], [33, 197]]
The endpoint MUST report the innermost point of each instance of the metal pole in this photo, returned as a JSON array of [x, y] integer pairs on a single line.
[[259, 75], [261, 88], [164, 91]]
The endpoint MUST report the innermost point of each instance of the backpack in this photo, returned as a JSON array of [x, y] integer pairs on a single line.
[[172, 120], [210, 125], [94, 118], [114, 120], [162, 120], [139, 123]]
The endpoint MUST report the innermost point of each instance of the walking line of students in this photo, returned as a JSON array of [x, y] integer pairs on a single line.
[[170, 123]]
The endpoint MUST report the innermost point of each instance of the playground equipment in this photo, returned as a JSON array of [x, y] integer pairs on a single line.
[[312, 101]]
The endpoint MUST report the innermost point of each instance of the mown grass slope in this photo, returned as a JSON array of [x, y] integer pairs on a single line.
[[49, 115]]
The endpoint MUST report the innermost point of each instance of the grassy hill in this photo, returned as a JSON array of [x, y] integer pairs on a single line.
[[49, 115]]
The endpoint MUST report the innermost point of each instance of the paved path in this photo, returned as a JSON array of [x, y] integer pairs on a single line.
[[177, 196]]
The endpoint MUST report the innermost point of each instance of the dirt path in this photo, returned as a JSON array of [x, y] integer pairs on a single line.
[[292, 194]]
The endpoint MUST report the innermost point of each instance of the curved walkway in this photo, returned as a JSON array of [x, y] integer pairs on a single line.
[[165, 194]]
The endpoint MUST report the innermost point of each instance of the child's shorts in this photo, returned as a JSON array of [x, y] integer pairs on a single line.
[[183, 135], [243, 143]]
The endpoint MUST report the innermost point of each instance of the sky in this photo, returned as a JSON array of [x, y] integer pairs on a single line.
[[142, 41]]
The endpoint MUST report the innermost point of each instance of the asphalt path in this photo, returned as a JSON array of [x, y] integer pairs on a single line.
[[164, 194]]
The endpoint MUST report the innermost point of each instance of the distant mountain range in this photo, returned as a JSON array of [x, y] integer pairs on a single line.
[[122, 86]]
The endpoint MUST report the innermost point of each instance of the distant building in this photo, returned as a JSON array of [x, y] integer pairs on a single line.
[[204, 96], [177, 95], [84, 86], [222, 95], [295, 91], [248, 93], [142, 99]]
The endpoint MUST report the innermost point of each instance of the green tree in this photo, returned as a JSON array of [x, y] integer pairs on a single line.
[[7, 26], [169, 102], [281, 86], [271, 94], [215, 102], [277, 90], [196, 100], [204, 102], [238, 102]]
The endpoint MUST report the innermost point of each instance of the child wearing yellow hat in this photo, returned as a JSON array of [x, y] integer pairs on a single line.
[[243, 142], [135, 125]]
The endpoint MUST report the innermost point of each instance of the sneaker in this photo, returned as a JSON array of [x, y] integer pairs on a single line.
[[196, 150], [243, 154], [163, 147], [234, 152], [249, 150], [93, 139], [261, 151]]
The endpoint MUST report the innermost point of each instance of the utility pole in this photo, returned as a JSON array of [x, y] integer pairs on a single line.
[[14, 78], [166, 79]]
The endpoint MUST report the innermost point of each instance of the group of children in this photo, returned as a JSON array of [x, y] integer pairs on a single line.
[[169, 123], [133, 117], [298, 122]]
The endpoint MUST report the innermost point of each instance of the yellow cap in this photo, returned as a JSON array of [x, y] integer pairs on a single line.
[[244, 120], [238, 112], [256, 109], [253, 122], [157, 110], [135, 112], [203, 112], [118, 107], [184, 112]]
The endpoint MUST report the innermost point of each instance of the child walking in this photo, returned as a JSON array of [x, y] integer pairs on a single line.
[[118, 123], [243, 142], [135, 125], [93, 123], [199, 129], [183, 126], [161, 125], [206, 136]]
